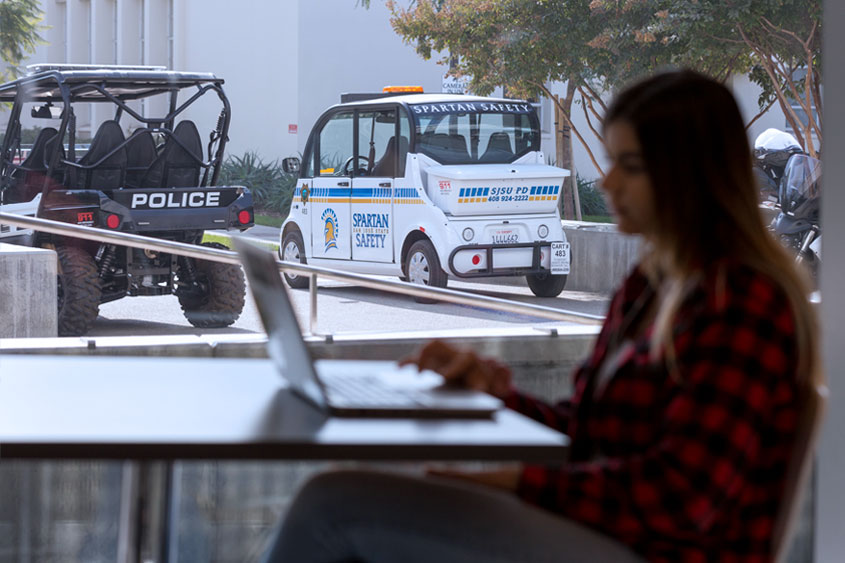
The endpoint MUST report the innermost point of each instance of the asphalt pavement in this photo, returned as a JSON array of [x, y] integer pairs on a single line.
[[264, 233]]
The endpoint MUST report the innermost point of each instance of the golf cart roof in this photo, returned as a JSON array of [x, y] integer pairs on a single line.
[[87, 83]]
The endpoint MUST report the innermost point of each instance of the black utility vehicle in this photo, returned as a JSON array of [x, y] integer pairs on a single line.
[[146, 170]]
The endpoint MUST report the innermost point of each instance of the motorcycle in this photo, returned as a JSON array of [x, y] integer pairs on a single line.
[[772, 150], [799, 198]]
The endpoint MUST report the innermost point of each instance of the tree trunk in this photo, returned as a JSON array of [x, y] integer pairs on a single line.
[[563, 143]]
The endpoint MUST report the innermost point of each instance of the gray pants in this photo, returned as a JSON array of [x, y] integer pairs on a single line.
[[373, 517]]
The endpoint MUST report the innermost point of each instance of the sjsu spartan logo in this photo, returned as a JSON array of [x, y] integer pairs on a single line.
[[330, 229]]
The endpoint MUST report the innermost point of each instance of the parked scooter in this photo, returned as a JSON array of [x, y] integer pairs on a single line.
[[797, 223]]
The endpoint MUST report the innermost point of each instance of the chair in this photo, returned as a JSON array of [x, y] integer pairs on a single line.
[[31, 172], [140, 155], [178, 164], [104, 165], [498, 148], [798, 470], [386, 166], [445, 148]]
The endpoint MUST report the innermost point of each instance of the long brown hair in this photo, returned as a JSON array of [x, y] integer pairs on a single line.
[[699, 161]]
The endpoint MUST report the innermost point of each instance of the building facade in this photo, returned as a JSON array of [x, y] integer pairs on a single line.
[[284, 62]]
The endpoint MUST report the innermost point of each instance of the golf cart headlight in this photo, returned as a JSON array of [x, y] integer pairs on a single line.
[[542, 231], [468, 234]]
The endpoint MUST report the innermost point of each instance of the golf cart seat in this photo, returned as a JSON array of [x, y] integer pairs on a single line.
[[31, 171], [178, 165], [104, 165], [498, 148], [386, 166], [140, 155]]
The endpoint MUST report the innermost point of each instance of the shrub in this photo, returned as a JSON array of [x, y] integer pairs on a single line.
[[592, 199], [271, 187]]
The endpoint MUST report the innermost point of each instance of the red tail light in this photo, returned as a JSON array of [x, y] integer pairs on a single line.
[[113, 221], [244, 217]]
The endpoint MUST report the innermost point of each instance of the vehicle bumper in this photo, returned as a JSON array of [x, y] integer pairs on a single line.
[[494, 260]]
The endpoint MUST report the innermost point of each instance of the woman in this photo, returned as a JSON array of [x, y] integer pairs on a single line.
[[681, 420]]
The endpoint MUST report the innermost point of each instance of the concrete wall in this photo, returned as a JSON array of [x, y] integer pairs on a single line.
[[27, 292], [601, 256]]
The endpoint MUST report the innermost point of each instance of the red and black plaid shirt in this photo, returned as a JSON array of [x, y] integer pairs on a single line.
[[686, 466]]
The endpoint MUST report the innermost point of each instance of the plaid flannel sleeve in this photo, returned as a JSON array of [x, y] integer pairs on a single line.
[[555, 416], [729, 362]]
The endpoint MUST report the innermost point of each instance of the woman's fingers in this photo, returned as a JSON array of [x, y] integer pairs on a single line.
[[462, 367]]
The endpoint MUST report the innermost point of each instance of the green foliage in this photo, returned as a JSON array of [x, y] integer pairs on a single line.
[[592, 199], [777, 43], [20, 24], [598, 46], [272, 188]]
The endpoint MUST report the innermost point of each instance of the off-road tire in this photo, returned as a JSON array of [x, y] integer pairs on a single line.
[[422, 266], [222, 304], [546, 284], [78, 289], [293, 238]]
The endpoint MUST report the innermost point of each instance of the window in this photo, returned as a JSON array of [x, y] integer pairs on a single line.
[[334, 146], [377, 143], [475, 132]]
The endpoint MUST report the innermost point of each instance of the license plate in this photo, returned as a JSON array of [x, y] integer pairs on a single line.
[[560, 258], [505, 236]]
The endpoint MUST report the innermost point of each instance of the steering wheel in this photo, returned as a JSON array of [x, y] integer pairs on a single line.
[[359, 170]]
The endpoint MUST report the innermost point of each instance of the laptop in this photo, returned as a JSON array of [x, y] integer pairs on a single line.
[[347, 387]]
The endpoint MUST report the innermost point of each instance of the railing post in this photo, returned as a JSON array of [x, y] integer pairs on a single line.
[[312, 291]]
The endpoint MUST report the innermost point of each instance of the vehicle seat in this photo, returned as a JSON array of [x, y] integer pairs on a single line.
[[178, 164], [32, 170], [140, 155], [498, 148], [447, 148], [107, 154], [386, 166]]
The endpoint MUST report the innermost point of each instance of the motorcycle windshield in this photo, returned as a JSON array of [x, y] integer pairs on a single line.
[[800, 187]]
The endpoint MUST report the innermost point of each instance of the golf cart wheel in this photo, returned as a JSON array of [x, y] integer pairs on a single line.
[[546, 284], [293, 250], [222, 297], [423, 267], [78, 286]]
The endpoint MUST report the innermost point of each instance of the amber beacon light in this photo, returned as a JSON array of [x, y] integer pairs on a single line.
[[397, 89]]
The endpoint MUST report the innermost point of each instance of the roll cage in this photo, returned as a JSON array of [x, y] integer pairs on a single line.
[[71, 84]]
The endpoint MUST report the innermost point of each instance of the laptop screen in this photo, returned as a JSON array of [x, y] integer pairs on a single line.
[[285, 345]]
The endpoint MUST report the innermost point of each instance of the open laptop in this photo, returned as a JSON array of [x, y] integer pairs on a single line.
[[347, 387]]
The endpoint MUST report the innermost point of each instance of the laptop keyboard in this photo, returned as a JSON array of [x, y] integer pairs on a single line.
[[345, 391]]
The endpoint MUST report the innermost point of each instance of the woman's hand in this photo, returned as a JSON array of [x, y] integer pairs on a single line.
[[463, 368], [506, 478]]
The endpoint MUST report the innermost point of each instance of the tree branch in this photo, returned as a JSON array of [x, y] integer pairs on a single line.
[[761, 114], [573, 127], [789, 113], [584, 103], [595, 96]]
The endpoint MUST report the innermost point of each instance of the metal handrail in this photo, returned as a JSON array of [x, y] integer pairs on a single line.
[[230, 257]]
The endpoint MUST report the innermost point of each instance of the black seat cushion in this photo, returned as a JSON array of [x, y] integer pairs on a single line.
[[29, 176], [106, 157], [140, 155], [498, 148], [178, 165], [386, 166]]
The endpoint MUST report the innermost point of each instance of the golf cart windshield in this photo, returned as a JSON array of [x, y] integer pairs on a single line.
[[475, 132]]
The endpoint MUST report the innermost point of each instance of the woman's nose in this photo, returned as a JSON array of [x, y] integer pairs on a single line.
[[609, 182]]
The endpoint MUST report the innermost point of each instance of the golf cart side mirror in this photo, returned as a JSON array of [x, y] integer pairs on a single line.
[[291, 164]]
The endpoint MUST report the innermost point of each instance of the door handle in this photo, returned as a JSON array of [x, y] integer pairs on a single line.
[[343, 184], [384, 184]]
